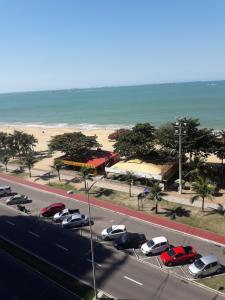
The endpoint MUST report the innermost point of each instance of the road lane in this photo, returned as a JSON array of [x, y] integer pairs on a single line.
[[114, 264]]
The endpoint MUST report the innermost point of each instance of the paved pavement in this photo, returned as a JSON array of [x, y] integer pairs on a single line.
[[20, 282], [160, 221], [124, 274], [118, 186]]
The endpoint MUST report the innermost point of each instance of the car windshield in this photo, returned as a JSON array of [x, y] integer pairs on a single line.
[[61, 212], [199, 264], [69, 219], [109, 229], [171, 252], [150, 243]]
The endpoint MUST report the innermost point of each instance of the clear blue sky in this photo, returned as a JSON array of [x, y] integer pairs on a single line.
[[54, 44]]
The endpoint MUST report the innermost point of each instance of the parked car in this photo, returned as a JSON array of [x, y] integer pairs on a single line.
[[113, 232], [52, 209], [5, 190], [64, 214], [204, 266], [155, 245], [179, 255], [129, 240], [75, 221], [18, 199]]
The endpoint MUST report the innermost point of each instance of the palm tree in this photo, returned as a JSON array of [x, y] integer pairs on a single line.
[[58, 165], [130, 179], [29, 160], [156, 194], [86, 174], [203, 188]]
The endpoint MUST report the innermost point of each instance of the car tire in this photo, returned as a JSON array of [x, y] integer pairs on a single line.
[[191, 260], [169, 264], [119, 248]]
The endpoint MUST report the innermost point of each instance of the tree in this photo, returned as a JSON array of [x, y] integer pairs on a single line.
[[5, 158], [138, 142], [130, 179], [4, 139], [115, 135], [29, 160], [220, 151], [156, 194], [76, 146], [203, 188], [86, 174], [58, 165], [21, 143]]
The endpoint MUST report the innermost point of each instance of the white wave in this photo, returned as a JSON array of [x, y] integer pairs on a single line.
[[81, 126]]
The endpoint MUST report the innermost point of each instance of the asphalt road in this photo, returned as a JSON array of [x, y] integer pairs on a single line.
[[119, 273], [19, 282]]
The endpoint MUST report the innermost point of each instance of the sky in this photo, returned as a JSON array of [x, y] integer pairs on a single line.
[[57, 44]]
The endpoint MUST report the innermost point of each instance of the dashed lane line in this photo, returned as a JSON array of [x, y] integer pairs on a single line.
[[34, 234], [10, 223], [135, 281], [61, 247], [99, 265]]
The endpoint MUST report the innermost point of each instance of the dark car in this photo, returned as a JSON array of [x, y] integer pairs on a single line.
[[52, 209], [129, 240]]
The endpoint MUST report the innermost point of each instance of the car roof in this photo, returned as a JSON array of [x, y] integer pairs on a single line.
[[121, 227], [55, 204], [159, 239], [76, 216], [208, 259], [178, 249], [4, 187]]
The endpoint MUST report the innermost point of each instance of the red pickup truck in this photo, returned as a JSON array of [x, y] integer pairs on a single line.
[[179, 255]]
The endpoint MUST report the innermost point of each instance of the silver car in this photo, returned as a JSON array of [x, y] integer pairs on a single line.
[[75, 221], [17, 199], [205, 266]]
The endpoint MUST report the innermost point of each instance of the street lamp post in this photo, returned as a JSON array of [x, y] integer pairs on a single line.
[[180, 131], [87, 190]]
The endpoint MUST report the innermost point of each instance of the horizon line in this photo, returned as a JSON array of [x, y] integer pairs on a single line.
[[110, 86]]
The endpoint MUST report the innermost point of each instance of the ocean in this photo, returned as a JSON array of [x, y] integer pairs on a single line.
[[115, 107]]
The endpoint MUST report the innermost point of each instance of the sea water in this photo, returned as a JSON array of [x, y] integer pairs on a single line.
[[115, 107]]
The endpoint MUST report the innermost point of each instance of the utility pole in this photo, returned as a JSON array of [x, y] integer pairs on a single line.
[[180, 131], [87, 190]]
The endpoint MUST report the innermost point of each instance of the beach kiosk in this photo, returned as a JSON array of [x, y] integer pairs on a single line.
[[97, 161]]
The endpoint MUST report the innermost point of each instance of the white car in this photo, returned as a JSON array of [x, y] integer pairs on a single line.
[[204, 266], [5, 190], [155, 245], [113, 232], [64, 214], [75, 221]]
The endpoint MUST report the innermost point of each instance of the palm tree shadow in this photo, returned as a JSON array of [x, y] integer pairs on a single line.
[[219, 210], [176, 212], [103, 192]]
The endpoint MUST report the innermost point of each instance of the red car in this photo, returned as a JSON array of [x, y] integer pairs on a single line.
[[52, 209], [179, 255]]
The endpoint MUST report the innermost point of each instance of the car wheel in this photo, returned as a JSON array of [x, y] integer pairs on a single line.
[[169, 264], [119, 247], [191, 260]]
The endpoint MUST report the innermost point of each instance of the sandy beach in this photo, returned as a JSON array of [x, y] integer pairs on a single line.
[[44, 135]]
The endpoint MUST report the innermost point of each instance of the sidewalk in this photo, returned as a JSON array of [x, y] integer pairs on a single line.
[[121, 187], [200, 233]]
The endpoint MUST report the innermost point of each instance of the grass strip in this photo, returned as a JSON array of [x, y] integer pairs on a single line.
[[70, 283]]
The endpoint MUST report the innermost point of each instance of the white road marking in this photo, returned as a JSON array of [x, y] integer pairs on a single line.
[[10, 223], [159, 262], [128, 278], [34, 234], [61, 247], [99, 265], [137, 256]]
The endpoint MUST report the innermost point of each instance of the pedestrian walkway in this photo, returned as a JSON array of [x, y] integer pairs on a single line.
[[156, 220], [118, 186]]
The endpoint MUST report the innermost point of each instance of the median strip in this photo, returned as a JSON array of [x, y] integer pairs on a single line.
[[137, 282]]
